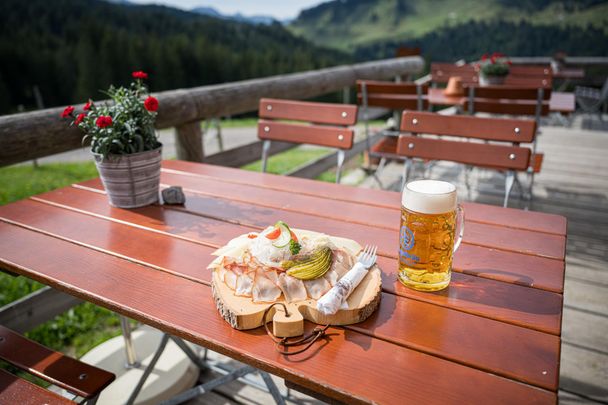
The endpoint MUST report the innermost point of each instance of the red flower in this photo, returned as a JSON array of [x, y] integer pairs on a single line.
[[151, 103], [103, 121], [79, 119], [509, 63], [88, 105], [67, 112], [493, 59], [140, 75], [484, 56]]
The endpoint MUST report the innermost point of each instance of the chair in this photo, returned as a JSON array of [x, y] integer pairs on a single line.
[[504, 153], [322, 124], [591, 100], [393, 96], [80, 379]]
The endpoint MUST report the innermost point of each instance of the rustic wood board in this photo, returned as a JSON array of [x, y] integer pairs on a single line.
[[242, 313]]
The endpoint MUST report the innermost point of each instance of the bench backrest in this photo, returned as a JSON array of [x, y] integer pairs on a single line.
[[509, 155], [441, 73], [392, 95], [322, 124], [544, 71], [513, 100]]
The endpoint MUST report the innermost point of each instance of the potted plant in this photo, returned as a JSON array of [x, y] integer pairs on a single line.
[[493, 69], [124, 143]]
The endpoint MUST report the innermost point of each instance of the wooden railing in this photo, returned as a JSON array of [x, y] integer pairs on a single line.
[[32, 135]]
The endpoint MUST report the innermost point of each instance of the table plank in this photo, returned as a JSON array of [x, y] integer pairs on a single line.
[[538, 309], [185, 308], [509, 217], [492, 236], [180, 257], [485, 262]]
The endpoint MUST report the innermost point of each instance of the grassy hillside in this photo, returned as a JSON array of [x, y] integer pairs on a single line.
[[348, 24]]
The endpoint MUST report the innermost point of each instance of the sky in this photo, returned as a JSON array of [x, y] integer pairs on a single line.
[[279, 9]]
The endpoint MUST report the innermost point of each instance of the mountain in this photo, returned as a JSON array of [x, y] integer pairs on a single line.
[[351, 24], [255, 19], [69, 49]]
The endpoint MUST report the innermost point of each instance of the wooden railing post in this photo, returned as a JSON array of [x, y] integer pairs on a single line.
[[189, 142]]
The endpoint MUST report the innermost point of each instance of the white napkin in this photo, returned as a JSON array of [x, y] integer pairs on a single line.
[[336, 297]]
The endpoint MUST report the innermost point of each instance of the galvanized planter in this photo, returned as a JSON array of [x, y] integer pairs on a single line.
[[491, 80], [131, 181]]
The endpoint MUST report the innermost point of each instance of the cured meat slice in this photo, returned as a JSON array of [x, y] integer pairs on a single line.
[[221, 272], [293, 289], [317, 287], [332, 277], [244, 285], [272, 276], [230, 279], [264, 290], [343, 262]]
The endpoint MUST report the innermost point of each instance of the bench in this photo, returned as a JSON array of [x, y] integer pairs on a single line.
[[395, 96], [78, 378], [321, 124], [498, 146]]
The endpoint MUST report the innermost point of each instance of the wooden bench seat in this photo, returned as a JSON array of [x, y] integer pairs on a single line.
[[70, 374], [15, 390]]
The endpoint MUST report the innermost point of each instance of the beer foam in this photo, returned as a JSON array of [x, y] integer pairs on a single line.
[[429, 196]]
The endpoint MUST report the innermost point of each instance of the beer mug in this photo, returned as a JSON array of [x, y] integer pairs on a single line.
[[428, 235]]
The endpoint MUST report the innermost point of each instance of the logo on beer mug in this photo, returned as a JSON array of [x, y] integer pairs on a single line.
[[406, 243]]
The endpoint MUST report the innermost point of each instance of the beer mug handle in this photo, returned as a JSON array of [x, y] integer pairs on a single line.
[[460, 222]]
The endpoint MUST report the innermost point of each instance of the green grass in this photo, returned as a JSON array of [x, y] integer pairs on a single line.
[[282, 163], [239, 122], [86, 325], [18, 182]]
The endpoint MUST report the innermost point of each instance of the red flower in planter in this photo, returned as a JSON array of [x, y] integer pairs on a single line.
[[104, 121], [151, 103], [140, 75], [79, 119], [88, 105], [67, 112], [484, 56]]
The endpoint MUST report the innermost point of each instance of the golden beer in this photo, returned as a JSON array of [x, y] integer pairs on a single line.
[[427, 234]]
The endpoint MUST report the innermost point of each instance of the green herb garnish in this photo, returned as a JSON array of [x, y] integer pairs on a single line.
[[294, 247]]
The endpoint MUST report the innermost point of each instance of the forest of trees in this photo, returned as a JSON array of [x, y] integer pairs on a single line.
[[469, 41], [67, 50], [70, 49]]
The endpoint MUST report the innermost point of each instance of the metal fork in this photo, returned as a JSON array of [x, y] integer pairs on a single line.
[[368, 256]]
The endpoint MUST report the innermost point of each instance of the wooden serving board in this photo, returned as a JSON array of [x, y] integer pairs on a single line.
[[242, 313]]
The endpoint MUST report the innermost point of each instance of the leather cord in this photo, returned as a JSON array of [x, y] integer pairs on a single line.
[[282, 345]]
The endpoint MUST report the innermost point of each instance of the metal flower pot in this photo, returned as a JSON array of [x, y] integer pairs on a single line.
[[491, 80], [131, 181]]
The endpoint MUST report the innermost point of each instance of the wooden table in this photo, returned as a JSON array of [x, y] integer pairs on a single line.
[[492, 337], [559, 102]]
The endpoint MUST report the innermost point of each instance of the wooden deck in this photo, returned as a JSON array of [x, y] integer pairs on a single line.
[[573, 183]]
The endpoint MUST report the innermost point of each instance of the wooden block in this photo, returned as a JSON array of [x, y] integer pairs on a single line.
[[287, 326]]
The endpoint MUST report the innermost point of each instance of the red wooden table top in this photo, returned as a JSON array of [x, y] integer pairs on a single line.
[[559, 102], [492, 337]]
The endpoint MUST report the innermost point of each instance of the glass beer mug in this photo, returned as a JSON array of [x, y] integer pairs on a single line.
[[432, 225]]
